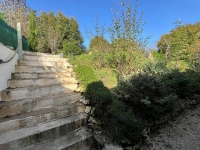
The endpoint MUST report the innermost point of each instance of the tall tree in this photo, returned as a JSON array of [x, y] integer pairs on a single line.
[[16, 11], [52, 33], [42, 26], [127, 41], [176, 44], [56, 30], [32, 40]]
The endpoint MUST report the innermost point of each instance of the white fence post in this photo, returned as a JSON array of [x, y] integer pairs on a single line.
[[19, 36]]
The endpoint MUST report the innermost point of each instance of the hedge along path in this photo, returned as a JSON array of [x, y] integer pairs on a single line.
[[181, 134]]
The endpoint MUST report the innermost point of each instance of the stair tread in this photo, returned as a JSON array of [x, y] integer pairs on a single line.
[[66, 141], [34, 113], [24, 132], [41, 78], [36, 99], [25, 53], [41, 69], [15, 83], [37, 91], [52, 63], [66, 68], [38, 54], [35, 87]]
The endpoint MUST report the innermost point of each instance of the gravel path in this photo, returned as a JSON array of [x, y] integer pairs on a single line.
[[181, 134]]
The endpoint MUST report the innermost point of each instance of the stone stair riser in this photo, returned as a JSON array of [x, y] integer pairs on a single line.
[[32, 92], [41, 75], [30, 121], [44, 63], [41, 69], [29, 141], [43, 58], [80, 140], [32, 105], [39, 82]]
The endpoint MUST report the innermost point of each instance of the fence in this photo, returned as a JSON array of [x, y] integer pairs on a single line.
[[8, 36]]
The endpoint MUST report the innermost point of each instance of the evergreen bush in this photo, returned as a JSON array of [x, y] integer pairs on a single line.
[[148, 95], [184, 84]]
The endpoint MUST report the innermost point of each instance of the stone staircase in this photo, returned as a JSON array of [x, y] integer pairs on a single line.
[[39, 109]]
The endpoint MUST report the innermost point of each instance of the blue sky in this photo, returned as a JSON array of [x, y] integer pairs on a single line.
[[159, 15]]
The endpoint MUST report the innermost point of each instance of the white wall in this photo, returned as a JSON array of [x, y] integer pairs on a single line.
[[7, 68]]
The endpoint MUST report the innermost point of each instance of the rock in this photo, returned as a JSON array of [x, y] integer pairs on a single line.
[[92, 119], [99, 139], [82, 97], [111, 146], [92, 111], [84, 101], [77, 90], [87, 109], [81, 108], [97, 132]]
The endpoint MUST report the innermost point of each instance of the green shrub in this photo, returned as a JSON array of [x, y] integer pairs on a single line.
[[71, 49], [85, 74], [185, 84], [148, 94], [121, 124], [115, 118], [158, 57], [100, 98]]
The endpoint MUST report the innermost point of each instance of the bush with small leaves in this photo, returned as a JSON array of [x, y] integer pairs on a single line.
[[148, 95]]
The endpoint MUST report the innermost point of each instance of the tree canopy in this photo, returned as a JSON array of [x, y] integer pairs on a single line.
[[99, 43], [56, 30], [32, 41], [16, 11], [177, 43]]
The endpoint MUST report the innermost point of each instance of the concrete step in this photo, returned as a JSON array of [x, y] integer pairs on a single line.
[[39, 54], [78, 140], [11, 108], [30, 119], [38, 91], [28, 137], [14, 83], [43, 63], [41, 69], [41, 75], [44, 58]]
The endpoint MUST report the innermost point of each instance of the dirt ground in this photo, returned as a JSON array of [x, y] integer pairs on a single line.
[[183, 133]]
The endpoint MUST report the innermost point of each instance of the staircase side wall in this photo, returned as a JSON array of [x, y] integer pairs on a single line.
[[7, 68]]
